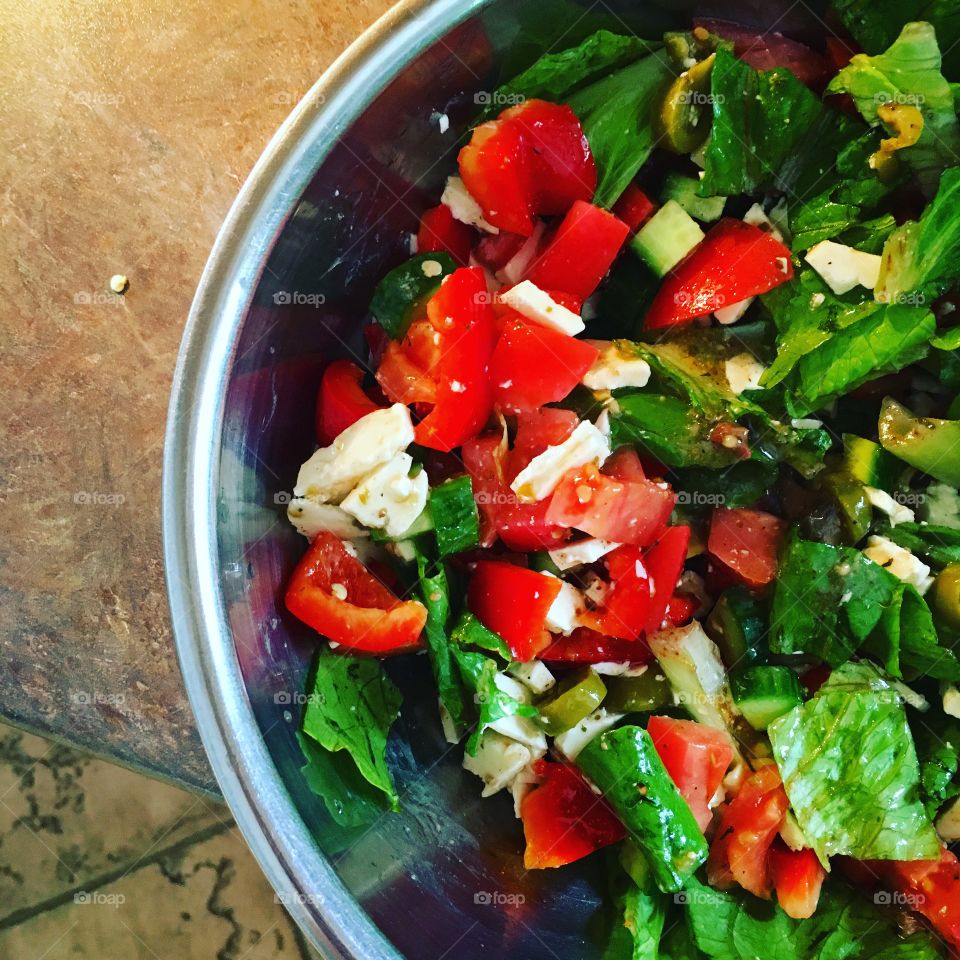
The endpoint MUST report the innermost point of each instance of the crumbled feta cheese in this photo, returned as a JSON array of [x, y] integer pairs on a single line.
[[463, 207], [534, 675], [564, 613], [948, 823], [572, 741], [758, 218], [595, 589], [522, 729], [951, 701], [614, 368], [900, 562], [625, 669], [498, 761], [403, 550], [603, 422], [443, 122], [842, 267], [389, 499], [537, 305], [732, 312], [806, 423], [882, 500], [332, 472], [522, 784], [743, 372], [310, 518], [539, 478], [581, 552]]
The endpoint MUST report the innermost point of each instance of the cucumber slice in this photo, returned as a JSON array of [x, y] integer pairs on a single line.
[[737, 624], [666, 238], [870, 463], [684, 191], [643, 694], [764, 693], [423, 524], [578, 695]]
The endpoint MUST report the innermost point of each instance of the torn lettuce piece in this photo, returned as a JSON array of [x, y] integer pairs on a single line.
[[850, 769]]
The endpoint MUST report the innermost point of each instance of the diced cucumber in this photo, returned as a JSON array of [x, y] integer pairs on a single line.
[[870, 463], [764, 693], [684, 191], [643, 694], [737, 625], [666, 238], [578, 695], [423, 524], [849, 497]]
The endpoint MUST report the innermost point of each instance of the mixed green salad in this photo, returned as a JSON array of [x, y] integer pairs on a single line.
[[655, 456]]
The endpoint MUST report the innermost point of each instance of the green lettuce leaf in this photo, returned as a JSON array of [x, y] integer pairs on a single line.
[[938, 752], [875, 24], [760, 119], [937, 546], [479, 675], [832, 602], [619, 115], [638, 926], [470, 632], [920, 258], [351, 708], [908, 73], [555, 76], [850, 769], [737, 926]]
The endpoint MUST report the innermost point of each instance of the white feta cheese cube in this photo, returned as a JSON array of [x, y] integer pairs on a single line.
[[948, 823], [498, 761], [882, 500], [572, 741], [951, 701], [900, 562], [534, 675], [758, 218], [614, 368], [464, 208], [311, 517], [522, 784], [743, 372], [389, 499], [332, 472], [732, 312], [842, 268], [564, 613], [581, 552], [539, 478], [537, 305]]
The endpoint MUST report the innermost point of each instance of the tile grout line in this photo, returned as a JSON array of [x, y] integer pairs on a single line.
[[28, 913]]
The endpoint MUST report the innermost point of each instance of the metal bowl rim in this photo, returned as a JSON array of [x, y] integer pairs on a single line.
[[303, 879]]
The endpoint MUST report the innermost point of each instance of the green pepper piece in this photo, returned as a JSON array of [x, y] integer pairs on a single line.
[[641, 694], [404, 289], [684, 115], [737, 625], [624, 765], [929, 444], [578, 695], [945, 596], [850, 498]]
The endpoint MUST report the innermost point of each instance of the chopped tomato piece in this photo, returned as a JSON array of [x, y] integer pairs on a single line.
[[664, 561], [581, 251], [533, 365], [533, 159], [371, 619], [441, 232], [624, 464], [735, 260], [537, 430], [797, 877], [341, 401], [563, 819], [696, 757], [746, 543], [680, 609], [588, 646], [460, 312], [496, 250], [626, 607], [525, 527], [513, 602], [634, 207], [751, 821], [481, 458], [620, 511], [407, 371]]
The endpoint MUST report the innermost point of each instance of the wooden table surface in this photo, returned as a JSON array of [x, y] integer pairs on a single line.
[[125, 132]]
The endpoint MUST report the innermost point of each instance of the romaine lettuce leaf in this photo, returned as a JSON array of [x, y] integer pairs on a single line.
[[638, 925], [351, 708], [908, 74], [920, 258], [832, 602], [760, 118], [737, 926], [618, 114], [850, 769], [939, 754]]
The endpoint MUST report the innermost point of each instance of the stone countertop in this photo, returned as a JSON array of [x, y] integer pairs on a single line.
[[126, 131]]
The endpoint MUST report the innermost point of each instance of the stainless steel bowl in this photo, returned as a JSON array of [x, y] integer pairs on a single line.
[[325, 211]]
